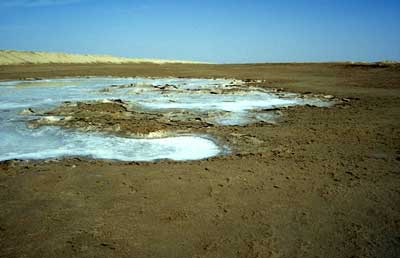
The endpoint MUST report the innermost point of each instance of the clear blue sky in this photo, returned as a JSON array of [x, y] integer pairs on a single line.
[[207, 30]]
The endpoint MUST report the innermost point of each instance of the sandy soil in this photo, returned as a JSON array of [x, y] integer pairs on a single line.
[[323, 182], [14, 57]]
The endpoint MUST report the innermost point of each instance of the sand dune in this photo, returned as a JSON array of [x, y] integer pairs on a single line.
[[13, 57]]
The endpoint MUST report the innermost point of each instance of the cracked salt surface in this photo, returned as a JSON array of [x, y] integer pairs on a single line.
[[17, 141]]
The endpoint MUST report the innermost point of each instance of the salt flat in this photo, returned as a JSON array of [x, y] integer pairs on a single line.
[[228, 102]]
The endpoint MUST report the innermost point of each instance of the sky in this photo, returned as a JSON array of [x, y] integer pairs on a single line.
[[218, 31]]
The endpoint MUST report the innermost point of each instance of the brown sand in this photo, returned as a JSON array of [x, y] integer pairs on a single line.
[[321, 183]]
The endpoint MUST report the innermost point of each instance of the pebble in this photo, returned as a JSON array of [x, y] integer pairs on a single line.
[[329, 97]]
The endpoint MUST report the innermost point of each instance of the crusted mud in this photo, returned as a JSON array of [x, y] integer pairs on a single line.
[[121, 118], [320, 182]]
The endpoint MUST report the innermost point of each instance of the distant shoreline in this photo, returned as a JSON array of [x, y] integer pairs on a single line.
[[15, 57]]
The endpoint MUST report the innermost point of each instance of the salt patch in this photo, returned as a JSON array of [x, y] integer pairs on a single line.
[[53, 142]]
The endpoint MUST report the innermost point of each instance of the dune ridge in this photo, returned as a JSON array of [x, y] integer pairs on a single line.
[[15, 57]]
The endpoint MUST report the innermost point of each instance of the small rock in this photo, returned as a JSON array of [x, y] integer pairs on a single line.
[[329, 97], [32, 79], [118, 101], [270, 109], [167, 87], [27, 111], [50, 119], [308, 105]]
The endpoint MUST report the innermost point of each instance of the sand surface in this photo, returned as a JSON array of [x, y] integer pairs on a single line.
[[13, 57], [323, 182]]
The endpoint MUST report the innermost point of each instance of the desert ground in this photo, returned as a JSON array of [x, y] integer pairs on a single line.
[[322, 182]]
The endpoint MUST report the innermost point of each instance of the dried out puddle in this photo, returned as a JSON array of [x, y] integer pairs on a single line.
[[216, 102]]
